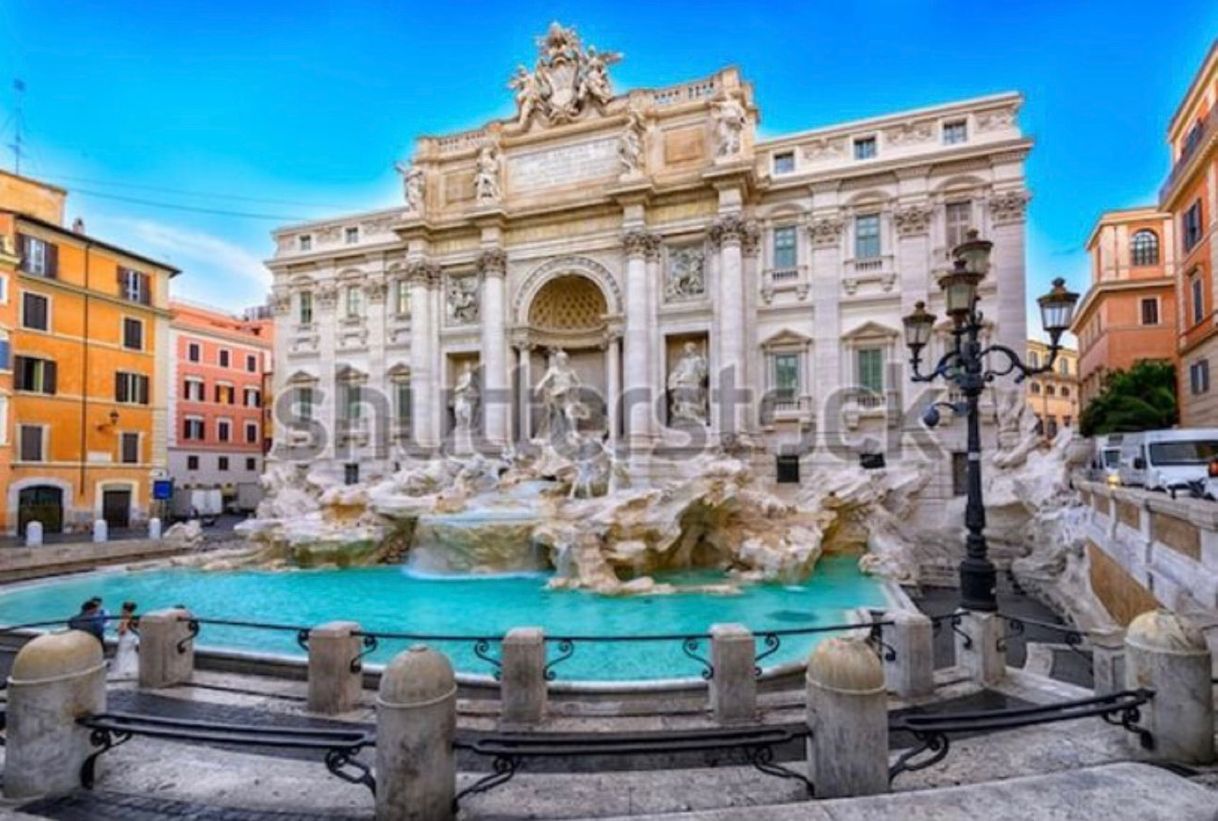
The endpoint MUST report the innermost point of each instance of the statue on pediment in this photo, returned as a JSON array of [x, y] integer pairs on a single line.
[[565, 78], [527, 86], [630, 145], [486, 175], [730, 121], [595, 83], [414, 181]]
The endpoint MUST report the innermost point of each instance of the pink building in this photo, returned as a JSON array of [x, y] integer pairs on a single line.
[[220, 383]]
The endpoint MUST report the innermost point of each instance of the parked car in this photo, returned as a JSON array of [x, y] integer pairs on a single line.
[[1172, 459], [1107, 462]]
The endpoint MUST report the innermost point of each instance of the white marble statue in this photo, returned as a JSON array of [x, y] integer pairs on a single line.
[[686, 273], [630, 145], [414, 181], [687, 387], [730, 120], [463, 299], [487, 188], [528, 94], [595, 83], [593, 465], [559, 389], [465, 398]]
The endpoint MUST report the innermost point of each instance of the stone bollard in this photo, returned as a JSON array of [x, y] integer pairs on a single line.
[[100, 531], [848, 719], [33, 534], [154, 528], [1165, 655], [733, 687], [1107, 659], [522, 687], [333, 686], [416, 721], [912, 673], [977, 651], [56, 679], [167, 648]]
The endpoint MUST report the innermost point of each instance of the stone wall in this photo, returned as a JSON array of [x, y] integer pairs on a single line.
[[18, 563], [1119, 592]]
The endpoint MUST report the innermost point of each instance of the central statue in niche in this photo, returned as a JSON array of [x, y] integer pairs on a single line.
[[559, 389], [687, 387]]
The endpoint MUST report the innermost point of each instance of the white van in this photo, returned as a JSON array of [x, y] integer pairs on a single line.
[[1163, 459], [1107, 461]]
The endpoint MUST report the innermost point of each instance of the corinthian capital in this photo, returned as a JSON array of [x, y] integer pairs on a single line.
[[423, 272], [912, 220], [826, 232], [728, 229], [639, 242], [1009, 206], [492, 262]]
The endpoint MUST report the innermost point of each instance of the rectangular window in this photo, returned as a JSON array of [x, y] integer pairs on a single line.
[[35, 312], [1192, 225], [955, 132], [224, 430], [306, 242], [871, 369], [193, 352], [786, 376], [223, 357], [6, 351], [958, 219], [222, 463], [1199, 376], [251, 433], [304, 403], [355, 302], [253, 398], [867, 236], [1150, 311], [401, 298], [251, 463], [1198, 289], [351, 473], [786, 467], [38, 257], [33, 374], [352, 235], [130, 388], [959, 473], [31, 440], [306, 307], [133, 334], [785, 250], [864, 148], [134, 286], [192, 428], [251, 362], [192, 462], [193, 390], [402, 391], [784, 163], [351, 403], [226, 395], [129, 448]]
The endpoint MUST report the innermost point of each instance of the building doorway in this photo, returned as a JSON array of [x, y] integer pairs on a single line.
[[116, 508], [40, 503]]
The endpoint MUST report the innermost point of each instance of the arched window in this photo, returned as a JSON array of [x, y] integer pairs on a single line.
[[1144, 248]]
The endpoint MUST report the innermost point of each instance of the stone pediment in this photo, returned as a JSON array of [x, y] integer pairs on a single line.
[[786, 338], [302, 378], [871, 330], [347, 373]]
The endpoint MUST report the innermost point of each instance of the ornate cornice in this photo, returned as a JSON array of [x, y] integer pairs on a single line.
[[826, 232], [912, 220], [641, 242], [1009, 206], [492, 262], [327, 295], [376, 289]]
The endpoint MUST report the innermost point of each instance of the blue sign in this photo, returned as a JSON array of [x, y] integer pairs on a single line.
[[162, 489]]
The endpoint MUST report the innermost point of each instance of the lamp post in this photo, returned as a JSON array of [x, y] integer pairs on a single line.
[[965, 366]]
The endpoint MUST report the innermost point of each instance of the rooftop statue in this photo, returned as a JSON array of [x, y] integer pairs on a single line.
[[565, 79]]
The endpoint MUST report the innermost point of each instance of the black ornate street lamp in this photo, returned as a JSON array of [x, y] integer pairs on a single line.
[[965, 366]]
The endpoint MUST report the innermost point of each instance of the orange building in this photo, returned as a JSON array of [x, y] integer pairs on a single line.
[[221, 375], [1190, 195], [1129, 312], [86, 422], [1053, 396]]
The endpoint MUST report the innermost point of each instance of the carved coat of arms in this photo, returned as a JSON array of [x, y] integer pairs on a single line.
[[565, 79]]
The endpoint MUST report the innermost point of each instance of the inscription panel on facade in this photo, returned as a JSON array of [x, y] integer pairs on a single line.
[[565, 165]]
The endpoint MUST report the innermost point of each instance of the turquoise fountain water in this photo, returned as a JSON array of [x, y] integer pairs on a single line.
[[390, 599]]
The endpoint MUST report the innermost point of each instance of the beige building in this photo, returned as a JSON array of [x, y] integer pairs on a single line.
[[1053, 396], [669, 253]]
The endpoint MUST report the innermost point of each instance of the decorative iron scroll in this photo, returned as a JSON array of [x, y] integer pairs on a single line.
[[192, 630], [482, 648], [690, 647], [566, 649], [370, 644]]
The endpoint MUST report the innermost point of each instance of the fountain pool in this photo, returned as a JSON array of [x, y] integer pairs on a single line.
[[391, 599]]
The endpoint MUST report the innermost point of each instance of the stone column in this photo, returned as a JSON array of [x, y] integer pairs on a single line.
[[1007, 232], [727, 234], [492, 265], [977, 651], [1107, 660], [848, 719], [1164, 654], [167, 648], [416, 720], [333, 686], [912, 673], [638, 383], [423, 387], [825, 284], [327, 330], [912, 222], [733, 688], [382, 419], [522, 687], [613, 379], [750, 247], [526, 392], [56, 679]]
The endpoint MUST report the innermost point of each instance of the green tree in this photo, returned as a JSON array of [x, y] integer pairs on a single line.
[[1141, 398]]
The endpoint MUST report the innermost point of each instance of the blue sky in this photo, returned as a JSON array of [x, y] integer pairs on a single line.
[[298, 110]]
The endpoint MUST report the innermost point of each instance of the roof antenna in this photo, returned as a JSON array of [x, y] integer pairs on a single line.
[[16, 144]]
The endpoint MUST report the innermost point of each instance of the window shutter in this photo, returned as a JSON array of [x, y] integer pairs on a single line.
[[143, 390], [52, 259], [50, 368], [145, 289], [120, 274], [118, 386], [23, 251]]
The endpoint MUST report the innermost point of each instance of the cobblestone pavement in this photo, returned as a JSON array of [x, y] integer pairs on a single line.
[[112, 806]]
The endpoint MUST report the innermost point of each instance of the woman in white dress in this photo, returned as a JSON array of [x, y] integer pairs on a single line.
[[127, 659]]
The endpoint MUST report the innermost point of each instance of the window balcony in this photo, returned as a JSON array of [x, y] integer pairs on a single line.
[[863, 271], [787, 278], [786, 407], [1203, 133]]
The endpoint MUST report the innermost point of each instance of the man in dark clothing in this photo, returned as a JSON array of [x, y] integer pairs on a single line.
[[87, 620]]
